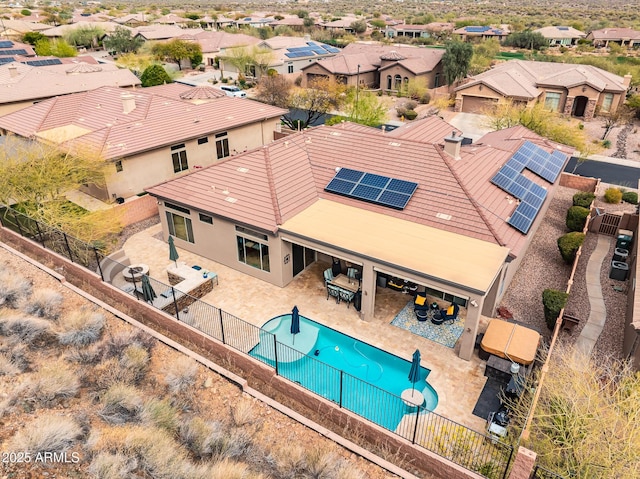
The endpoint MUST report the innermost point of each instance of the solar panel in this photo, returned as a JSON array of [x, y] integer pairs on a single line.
[[372, 188], [562, 28], [13, 52], [41, 63], [6, 44], [331, 49], [6, 60], [545, 165]]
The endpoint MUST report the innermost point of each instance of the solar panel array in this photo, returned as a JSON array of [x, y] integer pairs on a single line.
[[310, 50], [6, 60], [378, 189], [13, 52], [477, 29], [6, 44], [531, 195], [42, 63]]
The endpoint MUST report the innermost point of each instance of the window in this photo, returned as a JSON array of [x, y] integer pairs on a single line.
[[206, 218], [253, 233], [397, 80], [222, 145], [181, 209], [118, 166], [606, 102], [203, 140], [389, 80], [447, 297], [552, 101], [179, 157], [289, 68], [179, 226], [253, 253]]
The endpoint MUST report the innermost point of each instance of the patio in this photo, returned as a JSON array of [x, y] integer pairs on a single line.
[[256, 302]]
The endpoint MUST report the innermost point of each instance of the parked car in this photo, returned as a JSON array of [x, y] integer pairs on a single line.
[[232, 90]]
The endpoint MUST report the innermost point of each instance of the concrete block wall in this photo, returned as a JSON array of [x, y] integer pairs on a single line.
[[137, 209], [578, 182]]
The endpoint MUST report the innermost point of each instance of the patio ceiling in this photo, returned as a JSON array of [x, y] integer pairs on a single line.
[[446, 257]]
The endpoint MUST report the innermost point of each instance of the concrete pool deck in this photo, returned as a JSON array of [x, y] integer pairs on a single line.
[[457, 382]]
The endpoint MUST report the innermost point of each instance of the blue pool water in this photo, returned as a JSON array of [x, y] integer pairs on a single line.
[[315, 357]]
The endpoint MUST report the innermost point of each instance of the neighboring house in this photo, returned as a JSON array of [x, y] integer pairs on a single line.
[[10, 49], [431, 214], [473, 33], [133, 20], [342, 25], [62, 30], [80, 16], [561, 36], [147, 135], [163, 32], [15, 29], [435, 29], [172, 19], [379, 66], [286, 55], [255, 22], [214, 44], [293, 21], [571, 89], [22, 84], [622, 36]]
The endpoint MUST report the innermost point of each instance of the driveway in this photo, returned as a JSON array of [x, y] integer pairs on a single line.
[[471, 125]]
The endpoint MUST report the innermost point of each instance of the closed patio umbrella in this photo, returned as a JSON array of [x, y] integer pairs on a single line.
[[148, 294], [173, 252], [295, 322], [414, 372]]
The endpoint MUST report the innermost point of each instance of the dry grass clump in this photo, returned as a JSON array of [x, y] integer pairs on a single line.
[[52, 383], [43, 303], [214, 440], [226, 469], [296, 460], [13, 356], [130, 368], [243, 413], [7, 366], [25, 328], [13, 288], [112, 466], [81, 328], [121, 403], [181, 374], [115, 344], [156, 453], [161, 414], [46, 434]]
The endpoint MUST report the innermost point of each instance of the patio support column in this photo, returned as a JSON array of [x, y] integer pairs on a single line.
[[468, 339], [368, 286]]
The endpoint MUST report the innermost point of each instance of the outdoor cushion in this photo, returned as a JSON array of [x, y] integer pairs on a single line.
[[450, 310], [420, 300], [166, 294]]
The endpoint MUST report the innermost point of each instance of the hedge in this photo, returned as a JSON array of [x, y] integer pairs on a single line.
[[553, 302], [576, 218], [613, 195], [630, 197], [568, 245], [583, 198]]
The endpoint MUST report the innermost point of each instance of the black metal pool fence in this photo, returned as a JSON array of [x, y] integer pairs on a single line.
[[466, 447]]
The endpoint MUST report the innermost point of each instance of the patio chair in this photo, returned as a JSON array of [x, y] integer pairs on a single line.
[[333, 291], [447, 315], [353, 274], [346, 295], [328, 275]]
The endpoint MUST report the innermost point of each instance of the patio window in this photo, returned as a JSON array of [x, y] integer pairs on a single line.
[[552, 101], [253, 253], [179, 158], [607, 101], [203, 140], [289, 68], [397, 82], [222, 145], [447, 297], [180, 227]]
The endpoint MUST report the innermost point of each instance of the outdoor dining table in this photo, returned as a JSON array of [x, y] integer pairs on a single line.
[[344, 282]]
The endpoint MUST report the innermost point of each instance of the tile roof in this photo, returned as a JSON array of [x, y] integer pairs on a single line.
[[431, 129], [163, 32], [270, 185], [62, 30], [22, 26], [159, 118], [560, 32], [520, 78], [35, 83], [614, 34], [215, 41]]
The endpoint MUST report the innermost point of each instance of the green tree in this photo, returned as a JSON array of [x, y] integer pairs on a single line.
[[526, 39], [87, 37], [456, 60], [246, 59], [25, 13], [57, 48], [155, 75], [135, 62], [365, 108], [32, 37], [176, 50], [483, 55], [358, 27], [378, 23], [122, 41]]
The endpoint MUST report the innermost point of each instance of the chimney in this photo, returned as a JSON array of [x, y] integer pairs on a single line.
[[128, 103], [627, 81], [13, 70], [452, 145]]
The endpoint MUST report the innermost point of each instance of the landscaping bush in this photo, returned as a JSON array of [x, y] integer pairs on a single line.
[[568, 245], [43, 303], [46, 434], [121, 404], [424, 98], [411, 114], [583, 198], [13, 288], [630, 197], [81, 328], [410, 104], [7, 366], [613, 195], [553, 302], [576, 218]]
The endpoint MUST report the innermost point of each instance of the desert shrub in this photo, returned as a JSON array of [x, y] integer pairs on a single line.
[[91, 355], [7, 366], [243, 413], [81, 328], [121, 403], [115, 344], [46, 434], [401, 110], [410, 104], [43, 303], [613, 195], [160, 413], [26, 328], [583, 198], [424, 98], [606, 143], [135, 359], [411, 114], [13, 288], [568, 245], [576, 218], [553, 302], [630, 197], [300, 461], [226, 469], [13, 354], [112, 466], [53, 382], [181, 374], [212, 439]]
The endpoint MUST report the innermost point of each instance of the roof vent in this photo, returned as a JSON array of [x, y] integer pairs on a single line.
[[394, 143], [335, 133], [452, 145], [128, 103], [243, 170], [442, 216], [230, 199]]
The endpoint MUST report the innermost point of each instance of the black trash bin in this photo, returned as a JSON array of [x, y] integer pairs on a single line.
[[357, 300], [619, 270]]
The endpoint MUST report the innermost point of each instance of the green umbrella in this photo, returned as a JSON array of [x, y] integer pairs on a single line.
[[173, 252], [414, 372], [148, 294]]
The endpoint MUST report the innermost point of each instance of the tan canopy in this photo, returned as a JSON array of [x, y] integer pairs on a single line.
[[511, 341]]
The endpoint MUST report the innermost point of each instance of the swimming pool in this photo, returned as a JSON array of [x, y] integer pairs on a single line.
[[315, 357]]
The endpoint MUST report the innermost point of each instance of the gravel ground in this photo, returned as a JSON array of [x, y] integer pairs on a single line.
[[625, 139], [130, 230], [543, 268]]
